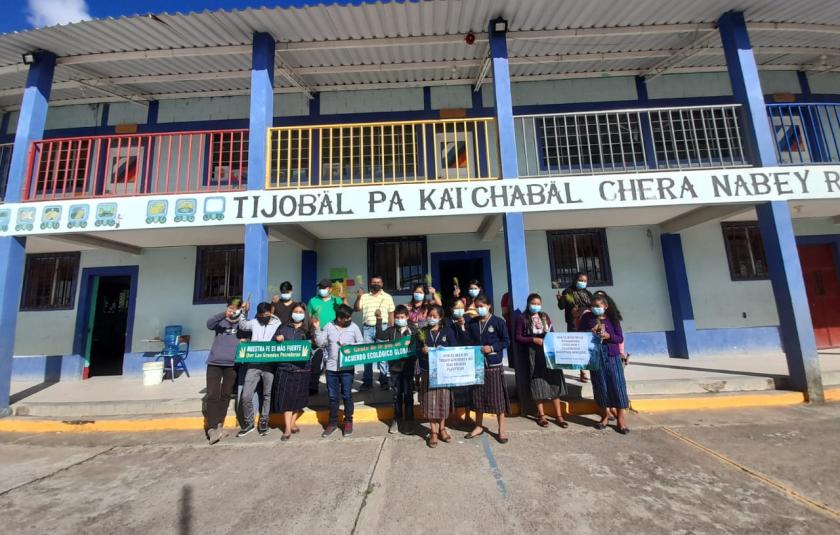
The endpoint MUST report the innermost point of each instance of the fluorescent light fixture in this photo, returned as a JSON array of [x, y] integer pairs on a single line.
[[28, 58], [500, 25]]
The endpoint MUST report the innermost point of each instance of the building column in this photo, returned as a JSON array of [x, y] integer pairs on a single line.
[[647, 133], [774, 218], [255, 280], [308, 274], [30, 127], [682, 310], [513, 222]]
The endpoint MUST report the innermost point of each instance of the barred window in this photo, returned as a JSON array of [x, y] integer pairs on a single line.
[[401, 262], [290, 156], [229, 158], [49, 281], [582, 141], [218, 273], [584, 250], [745, 251], [696, 136], [62, 166], [366, 153]]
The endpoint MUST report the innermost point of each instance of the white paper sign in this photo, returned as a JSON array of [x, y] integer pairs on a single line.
[[454, 366], [569, 350]]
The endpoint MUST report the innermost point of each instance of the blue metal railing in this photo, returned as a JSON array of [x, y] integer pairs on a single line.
[[5, 163], [806, 132]]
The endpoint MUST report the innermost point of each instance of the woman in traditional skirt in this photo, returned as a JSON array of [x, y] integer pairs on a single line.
[[291, 380], [608, 383], [461, 395], [436, 403], [490, 332], [546, 383]]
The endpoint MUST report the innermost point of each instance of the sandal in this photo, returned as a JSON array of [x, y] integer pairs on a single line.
[[433, 440], [445, 436], [562, 423], [542, 421], [295, 430], [600, 426], [502, 440], [624, 430]]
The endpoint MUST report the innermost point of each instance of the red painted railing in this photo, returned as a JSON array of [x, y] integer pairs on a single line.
[[137, 164]]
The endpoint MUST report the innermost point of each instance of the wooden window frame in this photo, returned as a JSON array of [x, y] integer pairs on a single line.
[[74, 257]]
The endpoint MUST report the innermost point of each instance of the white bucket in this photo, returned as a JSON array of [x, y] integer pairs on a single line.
[[152, 373]]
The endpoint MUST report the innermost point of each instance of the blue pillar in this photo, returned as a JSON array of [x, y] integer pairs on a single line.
[[773, 217], [255, 282], [682, 310], [33, 117], [647, 133], [308, 275]]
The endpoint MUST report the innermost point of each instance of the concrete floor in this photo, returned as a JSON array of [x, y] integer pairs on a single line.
[[577, 480]]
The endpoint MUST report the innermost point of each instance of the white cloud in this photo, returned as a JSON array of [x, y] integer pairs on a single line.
[[52, 12]]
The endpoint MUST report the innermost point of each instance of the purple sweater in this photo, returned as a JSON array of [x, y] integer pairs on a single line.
[[588, 322]]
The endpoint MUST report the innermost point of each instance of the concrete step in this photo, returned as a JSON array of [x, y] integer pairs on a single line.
[[831, 378]]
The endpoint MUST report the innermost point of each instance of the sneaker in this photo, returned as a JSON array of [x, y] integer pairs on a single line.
[[213, 436], [347, 430], [245, 431], [364, 387], [329, 430], [393, 427], [263, 428]]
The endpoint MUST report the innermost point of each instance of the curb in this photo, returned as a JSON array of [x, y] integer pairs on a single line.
[[385, 413]]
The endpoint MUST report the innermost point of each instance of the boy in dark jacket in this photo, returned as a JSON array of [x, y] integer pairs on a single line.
[[402, 370], [221, 374]]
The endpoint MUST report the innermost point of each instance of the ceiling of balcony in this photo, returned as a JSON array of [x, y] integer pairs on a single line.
[[365, 45]]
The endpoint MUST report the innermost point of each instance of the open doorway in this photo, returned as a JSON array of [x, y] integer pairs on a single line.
[[465, 266], [105, 319]]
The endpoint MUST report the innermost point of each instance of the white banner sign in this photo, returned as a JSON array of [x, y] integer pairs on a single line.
[[455, 366], [746, 185], [569, 350]]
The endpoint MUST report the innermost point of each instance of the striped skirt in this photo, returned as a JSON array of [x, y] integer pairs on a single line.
[[545, 383], [435, 403], [492, 396], [291, 390], [608, 383]]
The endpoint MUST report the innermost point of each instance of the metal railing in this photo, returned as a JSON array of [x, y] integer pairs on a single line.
[[141, 164], [806, 133], [381, 153], [629, 140], [5, 164]]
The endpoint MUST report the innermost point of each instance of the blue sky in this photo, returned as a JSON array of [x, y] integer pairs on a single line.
[[28, 14]]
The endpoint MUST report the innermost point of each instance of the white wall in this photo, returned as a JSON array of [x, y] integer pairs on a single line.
[[824, 83], [77, 116], [203, 109], [451, 96], [567, 91], [127, 113], [708, 84], [284, 265], [779, 82], [369, 101]]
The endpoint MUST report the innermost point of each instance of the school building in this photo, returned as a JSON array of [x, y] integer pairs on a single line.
[[685, 154]]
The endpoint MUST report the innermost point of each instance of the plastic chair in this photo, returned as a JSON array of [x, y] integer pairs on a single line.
[[176, 348]]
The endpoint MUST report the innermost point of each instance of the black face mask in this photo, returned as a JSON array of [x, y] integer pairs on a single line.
[[375, 287], [263, 321]]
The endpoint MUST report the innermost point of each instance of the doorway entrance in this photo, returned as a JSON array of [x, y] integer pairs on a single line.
[[463, 265], [822, 286], [105, 320]]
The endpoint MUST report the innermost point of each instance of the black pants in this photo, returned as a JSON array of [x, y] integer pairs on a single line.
[[220, 382], [315, 370]]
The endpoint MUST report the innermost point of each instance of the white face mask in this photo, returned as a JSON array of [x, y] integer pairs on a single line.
[[323, 292], [286, 297], [297, 317]]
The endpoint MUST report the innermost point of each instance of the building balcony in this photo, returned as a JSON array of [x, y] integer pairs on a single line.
[[806, 133], [141, 164]]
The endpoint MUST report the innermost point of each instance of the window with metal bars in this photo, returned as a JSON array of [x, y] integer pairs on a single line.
[[401, 262], [290, 153], [229, 158], [696, 136], [589, 141], [49, 281], [218, 273], [745, 251], [365, 153], [62, 167], [582, 250]]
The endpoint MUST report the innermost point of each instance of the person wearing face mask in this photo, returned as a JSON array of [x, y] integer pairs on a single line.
[[491, 334], [402, 370], [340, 332], [474, 289], [322, 307], [608, 382], [368, 304], [263, 328], [436, 403], [461, 395], [421, 301], [291, 379], [221, 373], [575, 300], [281, 305], [545, 383]]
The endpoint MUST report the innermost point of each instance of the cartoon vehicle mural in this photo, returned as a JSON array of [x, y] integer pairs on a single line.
[[156, 211], [214, 208], [25, 219], [185, 210], [5, 217], [106, 215], [78, 216], [50, 217]]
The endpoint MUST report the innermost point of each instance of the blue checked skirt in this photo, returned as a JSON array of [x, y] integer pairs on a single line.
[[608, 383]]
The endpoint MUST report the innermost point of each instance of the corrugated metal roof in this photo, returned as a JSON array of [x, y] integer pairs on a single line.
[[323, 23]]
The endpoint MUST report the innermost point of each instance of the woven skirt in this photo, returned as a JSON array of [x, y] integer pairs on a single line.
[[462, 396], [608, 383], [492, 396], [435, 403], [291, 390], [545, 383]]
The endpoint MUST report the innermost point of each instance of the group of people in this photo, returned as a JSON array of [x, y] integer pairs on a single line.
[[326, 321]]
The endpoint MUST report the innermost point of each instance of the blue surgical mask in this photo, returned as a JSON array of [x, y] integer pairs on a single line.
[[323, 292], [297, 317], [400, 322], [418, 296], [534, 308], [431, 322], [581, 285], [598, 311], [482, 311], [286, 297], [457, 312], [473, 292]]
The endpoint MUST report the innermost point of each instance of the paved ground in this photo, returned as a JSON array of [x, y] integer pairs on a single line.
[[675, 473]]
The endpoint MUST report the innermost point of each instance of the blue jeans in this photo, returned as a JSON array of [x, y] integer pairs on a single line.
[[340, 383], [402, 386], [369, 334]]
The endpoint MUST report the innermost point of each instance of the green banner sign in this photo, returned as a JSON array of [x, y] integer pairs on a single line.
[[292, 351], [378, 352]]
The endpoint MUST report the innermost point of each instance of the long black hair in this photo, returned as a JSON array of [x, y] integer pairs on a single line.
[[611, 313], [529, 322], [610, 303]]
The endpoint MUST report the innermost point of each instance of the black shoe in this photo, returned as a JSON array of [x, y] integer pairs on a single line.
[[263, 428], [624, 430], [365, 387], [313, 391], [329, 430], [245, 431], [384, 386]]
